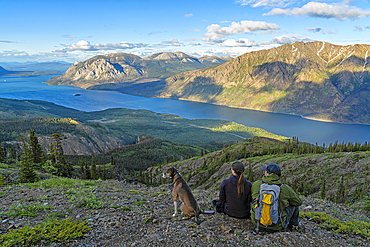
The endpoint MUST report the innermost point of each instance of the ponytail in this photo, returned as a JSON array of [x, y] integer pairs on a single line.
[[241, 183]]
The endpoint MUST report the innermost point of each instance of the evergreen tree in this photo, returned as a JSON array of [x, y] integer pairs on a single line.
[[250, 175], [99, 171], [340, 192], [93, 167], [204, 166], [82, 170], [87, 171], [2, 153], [13, 154], [57, 158], [105, 175], [330, 149], [27, 172], [18, 151], [36, 150], [112, 163]]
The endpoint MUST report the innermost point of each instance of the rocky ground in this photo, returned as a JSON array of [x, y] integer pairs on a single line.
[[136, 215]]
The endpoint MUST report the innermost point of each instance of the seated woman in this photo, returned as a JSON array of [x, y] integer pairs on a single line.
[[235, 193]]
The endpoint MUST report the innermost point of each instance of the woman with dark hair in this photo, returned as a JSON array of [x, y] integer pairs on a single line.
[[235, 193]]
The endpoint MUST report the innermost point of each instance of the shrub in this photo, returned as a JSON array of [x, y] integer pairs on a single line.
[[64, 183], [26, 210], [85, 199], [2, 183], [45, 233], [338, 226], [367, 203]]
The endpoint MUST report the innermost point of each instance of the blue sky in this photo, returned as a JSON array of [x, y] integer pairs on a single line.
[[37, 30]]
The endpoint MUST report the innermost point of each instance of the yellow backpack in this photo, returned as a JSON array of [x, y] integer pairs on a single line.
[[267, 207]]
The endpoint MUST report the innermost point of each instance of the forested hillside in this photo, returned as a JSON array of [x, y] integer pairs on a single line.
[[87, 132], [71, 192]]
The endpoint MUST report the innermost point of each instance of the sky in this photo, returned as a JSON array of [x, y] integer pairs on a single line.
[[75, 30]]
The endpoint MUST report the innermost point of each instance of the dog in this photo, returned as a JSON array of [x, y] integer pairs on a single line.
[[182, 191]]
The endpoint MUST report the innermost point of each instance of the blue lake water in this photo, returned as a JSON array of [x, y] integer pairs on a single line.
[[93, 100]]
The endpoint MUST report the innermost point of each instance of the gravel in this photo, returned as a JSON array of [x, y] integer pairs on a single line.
[[148, 221]]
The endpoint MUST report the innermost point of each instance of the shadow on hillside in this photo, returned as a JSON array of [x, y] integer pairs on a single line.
[[201, 88], [278, 75], [341, 83], [142, 87]]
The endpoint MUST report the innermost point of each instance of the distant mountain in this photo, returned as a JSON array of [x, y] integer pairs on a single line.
[[123, 67], [60, 65], [3, 71], [316, 80]]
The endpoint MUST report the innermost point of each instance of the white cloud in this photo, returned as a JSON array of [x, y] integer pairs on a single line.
[[188, 15], [195, 43], [284, 39], [173, 42], [319, 29], [266, 3], [14, 53], [216, 33], [323, 10], [195, 30], [327, 32], [84, 45], [242, 42], [358, 29], [228, 51], [23, 56]]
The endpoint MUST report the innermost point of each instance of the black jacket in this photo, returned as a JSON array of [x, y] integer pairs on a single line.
[[234, 206]]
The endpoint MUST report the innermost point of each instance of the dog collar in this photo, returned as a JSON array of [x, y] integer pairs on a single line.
[[175, 181]]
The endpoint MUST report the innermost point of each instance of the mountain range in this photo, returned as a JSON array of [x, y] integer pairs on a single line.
[[316, 80], [123, 67]]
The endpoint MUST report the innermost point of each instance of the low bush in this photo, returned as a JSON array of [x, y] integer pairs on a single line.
[[338, 226], [367, 203], [26, 210], [59, 182], [45, 233]]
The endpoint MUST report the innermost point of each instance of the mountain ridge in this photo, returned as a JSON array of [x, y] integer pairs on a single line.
[[125, 67], [315, 80]]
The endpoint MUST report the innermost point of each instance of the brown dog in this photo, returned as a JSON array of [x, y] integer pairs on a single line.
[[182, 191]]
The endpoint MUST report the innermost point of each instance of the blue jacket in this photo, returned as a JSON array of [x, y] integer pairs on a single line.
[[234, 206]]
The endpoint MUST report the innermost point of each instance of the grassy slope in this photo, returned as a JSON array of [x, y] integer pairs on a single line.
[[303, 172]]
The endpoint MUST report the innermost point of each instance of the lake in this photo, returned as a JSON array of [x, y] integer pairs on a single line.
[[23, 88]]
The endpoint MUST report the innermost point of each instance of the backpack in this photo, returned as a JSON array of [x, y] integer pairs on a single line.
[[267, 208]]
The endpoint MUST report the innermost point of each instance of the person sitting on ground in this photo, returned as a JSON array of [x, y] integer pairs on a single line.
[[288, 200], [235, 193]]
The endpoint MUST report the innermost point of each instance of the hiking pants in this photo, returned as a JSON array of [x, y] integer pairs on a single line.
[[292, 216]]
